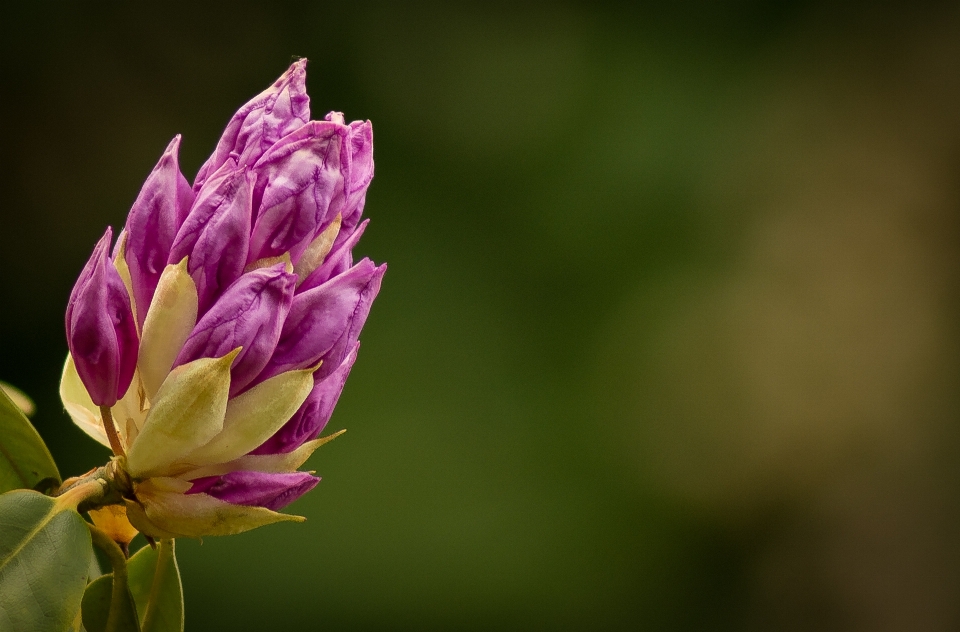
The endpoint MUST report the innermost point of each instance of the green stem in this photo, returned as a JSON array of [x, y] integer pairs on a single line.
[[121, 589], [165, 563], [86, 491]]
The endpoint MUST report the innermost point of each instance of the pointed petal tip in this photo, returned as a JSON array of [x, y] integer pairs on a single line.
[[173, 147]]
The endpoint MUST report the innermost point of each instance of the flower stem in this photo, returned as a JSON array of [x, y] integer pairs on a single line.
[[120, 591], [88, 490], [102, 486], [111, 429], [166, 563]]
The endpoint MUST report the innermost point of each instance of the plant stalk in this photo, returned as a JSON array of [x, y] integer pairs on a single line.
[[120, 592]]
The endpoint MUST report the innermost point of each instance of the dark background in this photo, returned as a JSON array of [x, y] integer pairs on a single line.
[[669, 338]]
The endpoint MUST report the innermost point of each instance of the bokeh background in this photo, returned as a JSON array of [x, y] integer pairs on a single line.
[[669, 338]]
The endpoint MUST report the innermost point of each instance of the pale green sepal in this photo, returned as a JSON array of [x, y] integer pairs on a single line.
[[254, 416], [318, 250], [80, 407], [45, 550], [157, 591], [199, 515], [267, 262], [127, 412], [25, 461], [130, 412], [138, 518], [164, 484], [169, 321], [286, 462], [187, 412]]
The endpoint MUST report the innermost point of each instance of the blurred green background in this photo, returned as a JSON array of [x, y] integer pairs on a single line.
[[669, 338]]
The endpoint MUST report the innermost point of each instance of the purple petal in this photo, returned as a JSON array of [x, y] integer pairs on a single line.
[[309, 421], [250, 314], [360, 143], [152, 225], [265, 119], [300, 187], [324, 322], [101, 332], [337, 262], [216, 232], [273, 491]]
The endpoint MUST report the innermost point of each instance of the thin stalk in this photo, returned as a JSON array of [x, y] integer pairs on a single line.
[[111, 429], [166, 563], [107, 485], [121, 590], [84, 491]]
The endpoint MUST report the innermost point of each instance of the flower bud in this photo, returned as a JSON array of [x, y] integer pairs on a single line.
[[260, 489], [248, 316], [101, 332], [152, 225], [265, 119], [216, 232], [300, 189], [250, 308], [324, 322]]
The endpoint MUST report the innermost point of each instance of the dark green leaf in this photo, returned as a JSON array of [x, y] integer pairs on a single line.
[[24, 458], [44, 558], [156, 588], [96, 608]]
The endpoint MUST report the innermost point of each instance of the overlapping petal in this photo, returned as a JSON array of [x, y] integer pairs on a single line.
[[323, 322], [300, 189], [249, 315], [216, 232], [272, 491], [261, 122]]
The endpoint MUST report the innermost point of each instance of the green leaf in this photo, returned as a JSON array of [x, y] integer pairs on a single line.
[[156, 588], [93, 572], [96, 603], [24, 458], [44, 556], [96, 608]]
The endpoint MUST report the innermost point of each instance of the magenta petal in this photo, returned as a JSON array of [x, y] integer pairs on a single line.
[[152, 225], [265, 119], [216, 232], [250, 314], [325, 321], [300, 187], [312, 417], [272, 491], [101, 332], [360, 143]]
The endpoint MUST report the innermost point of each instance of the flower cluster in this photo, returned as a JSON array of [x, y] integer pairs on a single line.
[[209, 348]]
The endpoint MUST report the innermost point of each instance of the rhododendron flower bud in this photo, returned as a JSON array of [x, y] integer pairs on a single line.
[[101, 332], [214, 346]]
